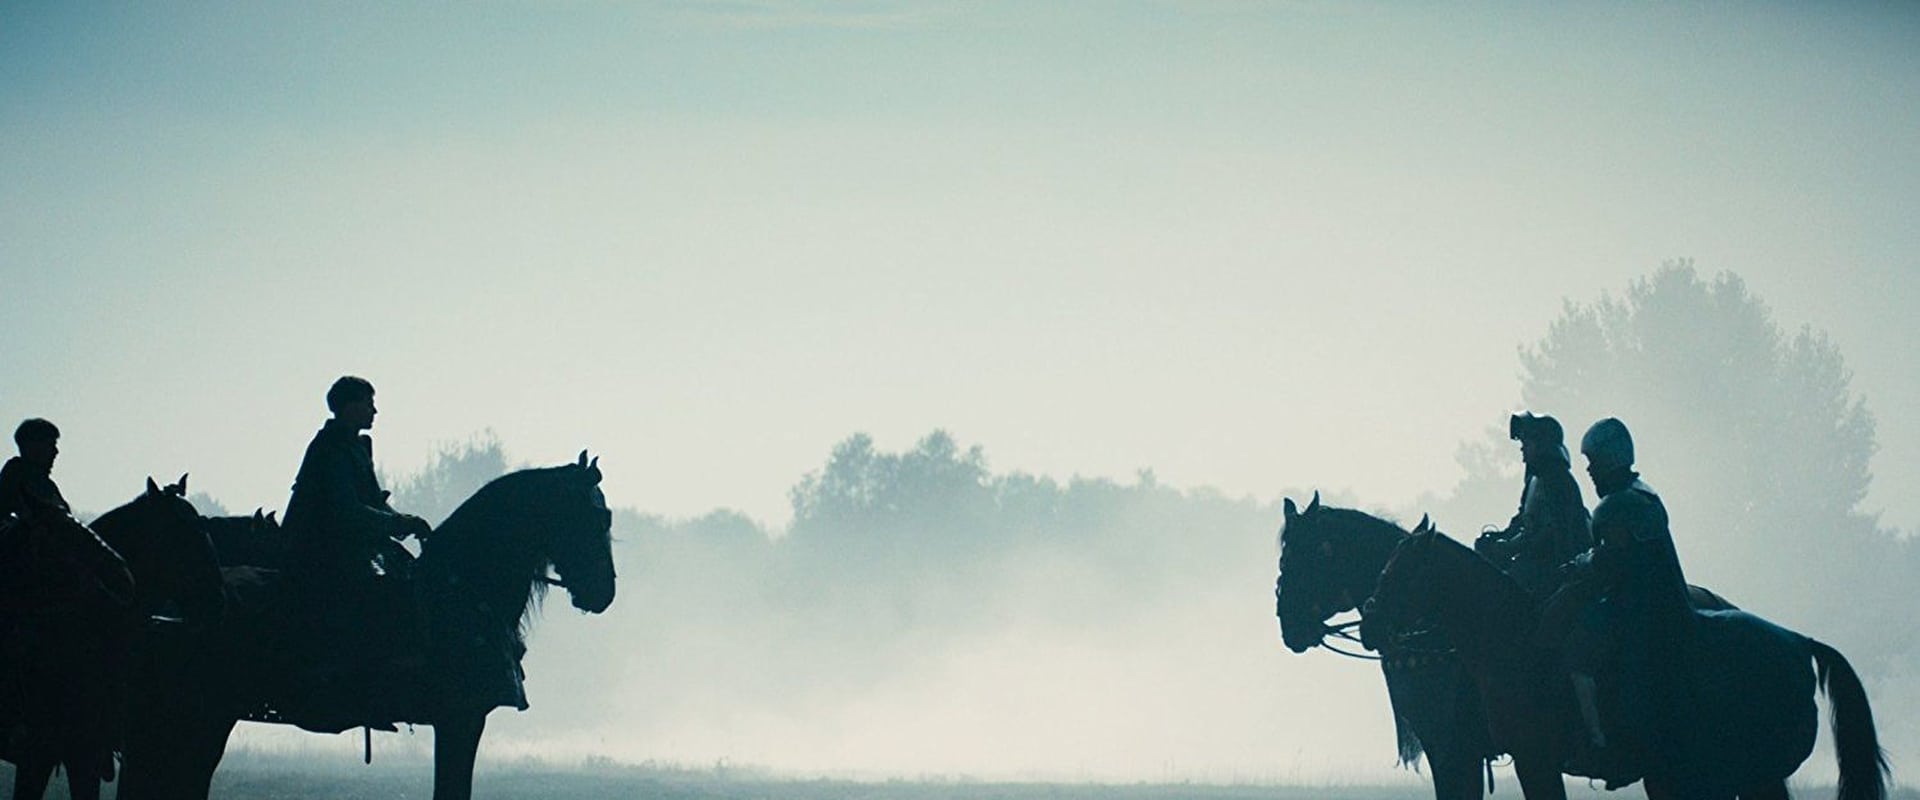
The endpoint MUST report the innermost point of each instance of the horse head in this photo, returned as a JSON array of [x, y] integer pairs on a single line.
[[164, 542], [1329, 560], [1302, 594], [1406, 591], [580, 544]]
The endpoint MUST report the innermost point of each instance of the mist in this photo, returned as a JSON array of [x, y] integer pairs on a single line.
[[949, 362], [927, 615]]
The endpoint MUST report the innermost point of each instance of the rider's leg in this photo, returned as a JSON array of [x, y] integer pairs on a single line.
[[1587, 691]]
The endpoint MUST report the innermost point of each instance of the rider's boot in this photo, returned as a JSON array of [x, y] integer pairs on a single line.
[[1592, 757]]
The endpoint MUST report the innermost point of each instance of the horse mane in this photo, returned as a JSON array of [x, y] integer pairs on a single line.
[[494, 518], [1503, 593], [1343, 521], [116, 526], [117, 516]]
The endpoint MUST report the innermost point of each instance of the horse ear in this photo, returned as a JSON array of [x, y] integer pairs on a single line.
[[180, 489], [594, 464], [1311, 506], [1425, 526], [270, 519], [152, 488], [583, 458], [259, 515], [1289, 508]]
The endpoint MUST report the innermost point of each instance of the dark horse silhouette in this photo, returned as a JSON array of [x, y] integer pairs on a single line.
[[481, 574], [1330, 560], [1752, 718], [89, 617]]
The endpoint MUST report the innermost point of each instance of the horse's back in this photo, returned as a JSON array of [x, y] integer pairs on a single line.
[[1752, 684]]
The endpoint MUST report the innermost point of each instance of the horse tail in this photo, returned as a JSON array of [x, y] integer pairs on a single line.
[[1863, 765]]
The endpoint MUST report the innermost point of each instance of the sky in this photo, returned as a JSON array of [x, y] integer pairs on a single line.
[[1247, 245]]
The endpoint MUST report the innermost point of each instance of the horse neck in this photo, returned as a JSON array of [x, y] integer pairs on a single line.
[[1371, 549], [170, 566], [489, 553], [1366, 551], [1486, 617]]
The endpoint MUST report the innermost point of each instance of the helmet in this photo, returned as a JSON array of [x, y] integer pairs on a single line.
[[1607, 445], [1525, 425]]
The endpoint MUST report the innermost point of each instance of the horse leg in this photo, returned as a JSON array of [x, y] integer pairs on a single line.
[[1771, 791], [83, 780], [174, 758], [201, 754], [1539, 777], [1658, 789], [1456, 777], [456, 742], [30, 777]]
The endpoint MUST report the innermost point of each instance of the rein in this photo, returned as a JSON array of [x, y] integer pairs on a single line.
[[1344, 630]]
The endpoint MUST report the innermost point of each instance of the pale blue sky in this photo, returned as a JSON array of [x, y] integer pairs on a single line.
[[1219, 239], [1248, 245]]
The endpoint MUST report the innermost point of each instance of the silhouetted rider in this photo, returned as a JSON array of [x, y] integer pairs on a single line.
[[1633, 620], [345, 536], [28, 477], [338, 518], [1551, 526], [26, 489], [61, 589]]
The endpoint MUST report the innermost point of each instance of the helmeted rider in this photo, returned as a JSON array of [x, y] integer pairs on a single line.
[[344, 536], [1551, 526], [1632, 620]]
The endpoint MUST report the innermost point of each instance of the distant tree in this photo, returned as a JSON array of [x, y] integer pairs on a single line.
[[1752, 434], [207, 506], [932, 500], [451, 475]]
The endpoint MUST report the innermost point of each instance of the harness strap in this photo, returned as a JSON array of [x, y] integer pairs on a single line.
[[1362, 656]]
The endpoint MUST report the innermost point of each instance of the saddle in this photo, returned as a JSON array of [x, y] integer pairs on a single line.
[[390, 650]]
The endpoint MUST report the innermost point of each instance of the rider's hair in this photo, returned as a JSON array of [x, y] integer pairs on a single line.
[[35, 430], [348, 389]]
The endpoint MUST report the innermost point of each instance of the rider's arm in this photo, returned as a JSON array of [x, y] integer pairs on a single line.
[[334, 474], [1560, 520]]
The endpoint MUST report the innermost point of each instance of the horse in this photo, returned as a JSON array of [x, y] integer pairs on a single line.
[[1330, 560], [255, 540], [1752, 717], [481, 575], [166, 547], [91, 619]]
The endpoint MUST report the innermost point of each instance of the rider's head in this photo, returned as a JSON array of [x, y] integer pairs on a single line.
[[1541, 438], [1608, 448], [39, 442], [351, 401]]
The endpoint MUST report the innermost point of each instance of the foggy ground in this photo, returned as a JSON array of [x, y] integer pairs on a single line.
[[277, 777]]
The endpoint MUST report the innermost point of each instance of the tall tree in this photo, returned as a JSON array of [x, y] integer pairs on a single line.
[[1752, 434], [451, 475]]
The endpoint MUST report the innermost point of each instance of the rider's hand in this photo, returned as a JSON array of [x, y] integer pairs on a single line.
[[416, 527], [1580, 563]]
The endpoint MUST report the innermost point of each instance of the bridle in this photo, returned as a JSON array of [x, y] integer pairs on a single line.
[[1344, 630]]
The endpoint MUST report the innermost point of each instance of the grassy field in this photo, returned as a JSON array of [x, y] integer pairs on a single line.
[[288, 778]]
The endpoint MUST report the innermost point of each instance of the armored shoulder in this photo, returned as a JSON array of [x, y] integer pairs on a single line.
[[1557, 484], [1636, 510]]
